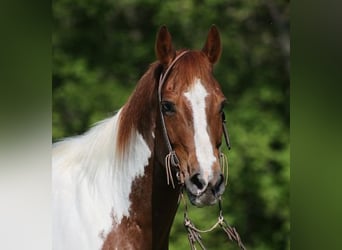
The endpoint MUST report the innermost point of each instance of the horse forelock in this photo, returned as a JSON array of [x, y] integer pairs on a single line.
[[190, 66]]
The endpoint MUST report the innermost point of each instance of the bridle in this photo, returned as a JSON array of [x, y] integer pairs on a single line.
[[171, 160]]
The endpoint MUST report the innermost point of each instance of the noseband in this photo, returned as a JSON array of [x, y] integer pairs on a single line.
[[171, 159]]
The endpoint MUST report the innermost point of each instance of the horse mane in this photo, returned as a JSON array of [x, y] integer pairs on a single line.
[[114, 149], [137, 113], [111, 138], [196, 65]]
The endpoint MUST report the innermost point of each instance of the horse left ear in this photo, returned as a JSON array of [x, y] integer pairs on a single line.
[[164, 48], [212, 47]]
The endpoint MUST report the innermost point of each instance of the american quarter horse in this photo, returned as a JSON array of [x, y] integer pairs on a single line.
[[117, 186]]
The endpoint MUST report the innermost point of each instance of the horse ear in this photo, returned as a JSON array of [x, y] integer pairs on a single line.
[[164, 48], [212, 47]]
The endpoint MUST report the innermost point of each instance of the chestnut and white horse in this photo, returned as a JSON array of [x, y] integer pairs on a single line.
[[117, 185]]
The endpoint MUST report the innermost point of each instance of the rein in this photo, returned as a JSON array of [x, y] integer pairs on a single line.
[[194, 234], [171, 160]]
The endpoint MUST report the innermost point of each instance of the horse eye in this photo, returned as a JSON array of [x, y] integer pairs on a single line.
[[168, 108]]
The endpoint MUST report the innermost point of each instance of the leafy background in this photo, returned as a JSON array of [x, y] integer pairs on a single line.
[[102, 48]]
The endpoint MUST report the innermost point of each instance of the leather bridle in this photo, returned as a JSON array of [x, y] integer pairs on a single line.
[[171, 159]]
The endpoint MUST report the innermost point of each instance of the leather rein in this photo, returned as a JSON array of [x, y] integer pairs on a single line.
[[171, 160]]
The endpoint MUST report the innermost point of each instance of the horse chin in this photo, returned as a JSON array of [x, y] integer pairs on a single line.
[[205, 199]]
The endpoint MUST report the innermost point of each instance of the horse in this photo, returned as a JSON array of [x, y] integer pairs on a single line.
[[117, 186]]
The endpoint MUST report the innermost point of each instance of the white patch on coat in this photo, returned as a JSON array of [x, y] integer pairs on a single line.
[[91, 185], [204, 150]]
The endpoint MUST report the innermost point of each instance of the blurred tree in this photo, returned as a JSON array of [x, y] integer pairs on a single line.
[[101, 49]]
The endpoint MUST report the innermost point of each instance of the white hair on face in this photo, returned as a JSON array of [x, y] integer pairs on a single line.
[[204, 151]]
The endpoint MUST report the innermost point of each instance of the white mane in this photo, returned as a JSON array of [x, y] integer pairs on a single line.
[[92, 184]]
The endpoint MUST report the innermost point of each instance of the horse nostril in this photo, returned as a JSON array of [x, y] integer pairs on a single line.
[[198, 181], [219, 186], [220, 181]]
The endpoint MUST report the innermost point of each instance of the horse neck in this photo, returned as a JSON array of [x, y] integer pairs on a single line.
[[164, 196], [151, 195], [164, 207], [153, 202]]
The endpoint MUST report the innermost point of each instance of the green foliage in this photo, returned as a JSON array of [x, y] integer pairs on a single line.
[[101, 49]]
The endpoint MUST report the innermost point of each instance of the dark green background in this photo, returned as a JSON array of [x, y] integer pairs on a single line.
[[316, 121]]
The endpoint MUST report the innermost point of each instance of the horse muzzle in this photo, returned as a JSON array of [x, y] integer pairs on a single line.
[[202, 193]]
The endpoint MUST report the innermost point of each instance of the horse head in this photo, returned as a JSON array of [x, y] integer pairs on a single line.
[[191, 104]]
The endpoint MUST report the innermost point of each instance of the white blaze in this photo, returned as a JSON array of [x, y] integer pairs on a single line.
[[204, 150]]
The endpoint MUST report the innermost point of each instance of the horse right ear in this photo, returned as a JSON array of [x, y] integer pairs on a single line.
[[164, 48], [212, 47]]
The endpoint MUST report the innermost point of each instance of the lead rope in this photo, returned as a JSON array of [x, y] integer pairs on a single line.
[[194, 234]]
